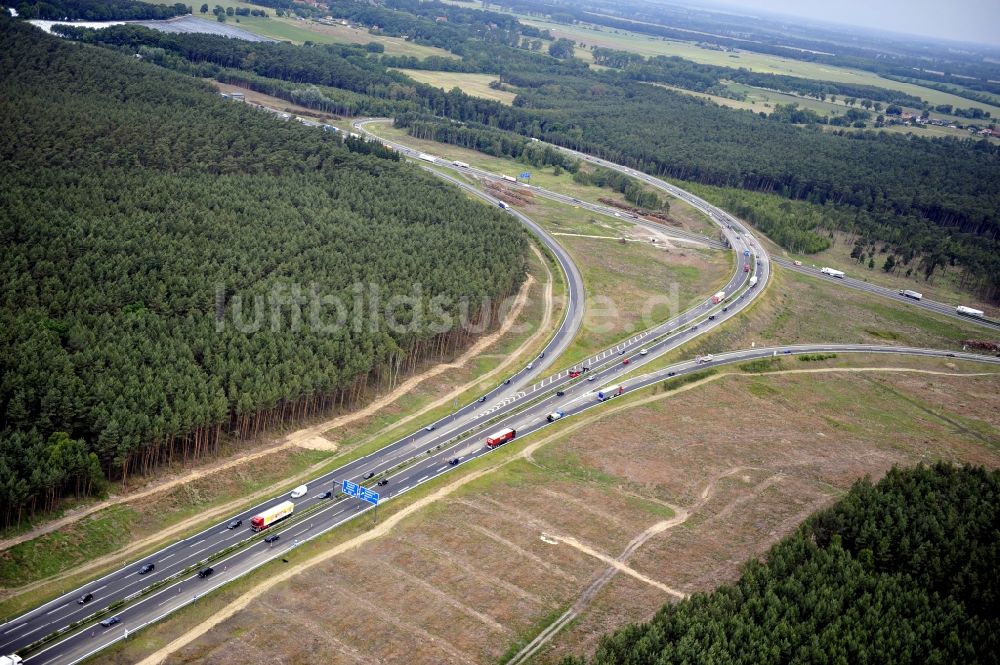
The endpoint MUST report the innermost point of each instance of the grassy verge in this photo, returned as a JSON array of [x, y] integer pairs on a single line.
[[799, 309], [25, 567], [573, 460], [546, 178], [945, 285], [632, 285], [114, 528]]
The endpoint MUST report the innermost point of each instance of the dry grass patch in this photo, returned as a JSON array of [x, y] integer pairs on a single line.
[[754, 456]]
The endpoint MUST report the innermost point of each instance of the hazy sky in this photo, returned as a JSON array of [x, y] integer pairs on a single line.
[[965, 20]]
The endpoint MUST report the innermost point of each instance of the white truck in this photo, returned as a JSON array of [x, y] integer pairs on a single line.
[[461, 165], [718, 297], [12, 659], [427, 158], [509, 178], [916, 295], [299, 492], [608, 393], [968, 311], [753, 281], [832, 273]]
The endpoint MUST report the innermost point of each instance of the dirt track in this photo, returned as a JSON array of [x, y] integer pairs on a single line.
[[704, 495]]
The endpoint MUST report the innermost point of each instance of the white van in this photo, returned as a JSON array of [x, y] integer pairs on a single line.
[[299, 491]]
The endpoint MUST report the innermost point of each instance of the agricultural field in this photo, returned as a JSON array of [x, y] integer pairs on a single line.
[[658, 482], [477, 85], [648, 45]]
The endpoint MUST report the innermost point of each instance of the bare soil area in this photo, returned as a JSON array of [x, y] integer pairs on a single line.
[[482, 569]]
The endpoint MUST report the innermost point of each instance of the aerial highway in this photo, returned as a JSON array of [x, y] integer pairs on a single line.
[[448, 451], [467, 169], [894, 294], [181, 558], [520, 402]]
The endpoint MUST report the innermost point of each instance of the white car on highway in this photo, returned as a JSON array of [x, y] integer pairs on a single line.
[[299, 492]]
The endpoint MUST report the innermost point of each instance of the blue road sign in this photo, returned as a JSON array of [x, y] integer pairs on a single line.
[[526, 175], [369, 496], [350, 489]]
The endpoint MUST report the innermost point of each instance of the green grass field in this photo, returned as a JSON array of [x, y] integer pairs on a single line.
[[477, 85]]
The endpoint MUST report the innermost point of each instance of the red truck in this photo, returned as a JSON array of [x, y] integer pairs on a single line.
[[500, 438], [718, 297], [271, 515], [573, 373]]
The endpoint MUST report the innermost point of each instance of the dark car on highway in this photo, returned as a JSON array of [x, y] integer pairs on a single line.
[[560, 393], [671, 373], [325, 495], [107, 623], [483, 398], [148, 568], [235, 524], [453, 461], [369, 475], [85, 598], [205, 572], [273, 537], [383, 482]]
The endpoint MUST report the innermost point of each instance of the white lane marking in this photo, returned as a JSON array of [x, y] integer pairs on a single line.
[[167, 557], [99, 588], [17, 627], [198, 543], [58, 609], [422, 479], [441, 469]]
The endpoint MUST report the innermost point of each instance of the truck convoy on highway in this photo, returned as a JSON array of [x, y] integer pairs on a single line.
[[968, 311], [916, 295], [499, 438], [832, 273], [271, 515], [612, 391], [718, 297]]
